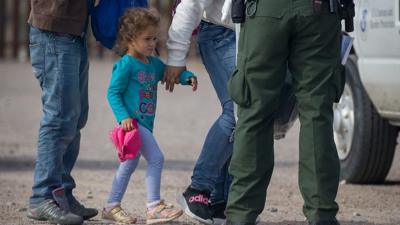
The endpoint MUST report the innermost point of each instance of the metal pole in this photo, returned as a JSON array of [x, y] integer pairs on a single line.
[[2, 27], [15, 21], [28, 10]]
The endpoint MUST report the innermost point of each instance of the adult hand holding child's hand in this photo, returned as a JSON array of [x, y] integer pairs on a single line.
[[171, 76]]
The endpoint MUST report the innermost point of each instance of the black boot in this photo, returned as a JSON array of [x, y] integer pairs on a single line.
[[228, 222], [325, 222]]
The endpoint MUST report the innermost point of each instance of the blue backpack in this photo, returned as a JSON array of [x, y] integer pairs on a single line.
[[105, 17]]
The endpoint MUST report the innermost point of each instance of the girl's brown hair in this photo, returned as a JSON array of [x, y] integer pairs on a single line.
[[131, 24]]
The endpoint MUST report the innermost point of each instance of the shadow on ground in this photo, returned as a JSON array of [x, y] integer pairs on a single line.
[[388, 183], [14, 164], [9, 164], [304, 223], [99, 222], [142, 221]]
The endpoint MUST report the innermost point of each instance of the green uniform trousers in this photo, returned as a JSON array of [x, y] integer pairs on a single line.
[[286, 34]]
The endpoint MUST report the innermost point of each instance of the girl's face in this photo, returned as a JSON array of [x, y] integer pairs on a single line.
[[145, 43]]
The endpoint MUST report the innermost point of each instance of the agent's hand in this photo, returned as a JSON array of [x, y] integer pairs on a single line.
[[127, 124], [171, 76], [193, 83]]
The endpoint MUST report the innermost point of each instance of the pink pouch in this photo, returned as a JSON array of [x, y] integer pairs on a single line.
[[127, 143]]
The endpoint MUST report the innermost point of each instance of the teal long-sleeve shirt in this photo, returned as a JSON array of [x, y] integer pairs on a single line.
[[132, 92]]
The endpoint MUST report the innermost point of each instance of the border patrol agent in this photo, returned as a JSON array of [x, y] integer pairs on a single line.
[[305, 37]]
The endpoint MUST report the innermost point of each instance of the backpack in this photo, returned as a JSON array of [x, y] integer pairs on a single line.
[[105, 17]]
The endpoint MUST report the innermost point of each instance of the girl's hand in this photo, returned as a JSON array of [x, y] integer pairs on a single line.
[[127, 124], [193, 83]]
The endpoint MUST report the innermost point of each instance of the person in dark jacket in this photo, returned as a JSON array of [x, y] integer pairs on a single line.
[[59, 60]]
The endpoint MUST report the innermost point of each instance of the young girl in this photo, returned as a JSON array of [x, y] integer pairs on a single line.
[[132, 94]]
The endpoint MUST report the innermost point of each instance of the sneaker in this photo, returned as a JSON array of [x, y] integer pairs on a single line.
[[162, 213], [195, 205], [48, 210], [218, 212], [117, 215], [80, 210]]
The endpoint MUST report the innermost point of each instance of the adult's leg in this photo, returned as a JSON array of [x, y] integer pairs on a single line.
[[217, 49], [55, 61], [72, 152], [256, 87], [219, 195], [221, 188], [315, 62]]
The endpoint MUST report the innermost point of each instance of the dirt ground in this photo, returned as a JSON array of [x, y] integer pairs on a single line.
[[183, 119]]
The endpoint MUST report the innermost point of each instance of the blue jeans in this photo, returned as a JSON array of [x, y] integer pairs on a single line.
[[60, 64], [155, 161], [217, 50], [221, 188]]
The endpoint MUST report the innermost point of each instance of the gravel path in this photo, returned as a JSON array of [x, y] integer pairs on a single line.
[[183, 119]]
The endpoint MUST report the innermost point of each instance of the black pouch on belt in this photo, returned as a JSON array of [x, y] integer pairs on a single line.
[[325, 6], [238, 11]]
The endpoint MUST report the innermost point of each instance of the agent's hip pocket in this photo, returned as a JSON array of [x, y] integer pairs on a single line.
[[238, 88]]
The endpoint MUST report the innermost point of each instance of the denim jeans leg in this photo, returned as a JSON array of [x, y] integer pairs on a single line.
[[221, 188], [73, 149], [217, 49], [55, 61]]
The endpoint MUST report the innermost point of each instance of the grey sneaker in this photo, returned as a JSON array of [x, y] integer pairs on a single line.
[[48, 210], [80, 210]]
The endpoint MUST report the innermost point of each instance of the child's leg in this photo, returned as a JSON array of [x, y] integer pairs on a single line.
[[155, 160], [112, 210], [157, 210], [120, 182]]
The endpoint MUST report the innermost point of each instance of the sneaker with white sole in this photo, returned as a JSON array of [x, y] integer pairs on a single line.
[[195, 204], [50, 211], [117, 215], [162, 213]]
